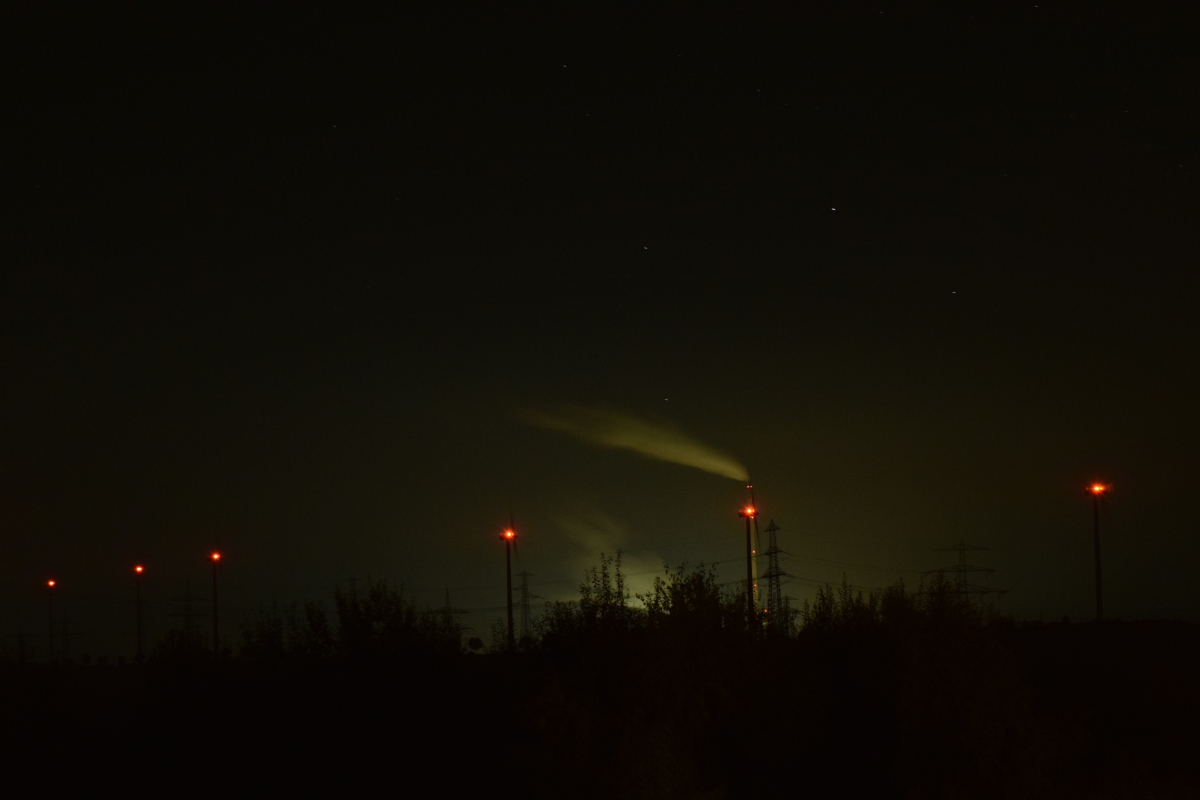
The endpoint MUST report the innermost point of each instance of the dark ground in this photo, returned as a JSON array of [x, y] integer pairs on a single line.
[[1053, 710]]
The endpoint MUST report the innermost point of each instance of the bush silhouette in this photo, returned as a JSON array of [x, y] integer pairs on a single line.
[[383, 623]]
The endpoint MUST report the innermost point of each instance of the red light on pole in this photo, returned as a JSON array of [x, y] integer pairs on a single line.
[[1098, 490], [509, 536], [137, 596], [748, 513], [216, 559], [50, 584]]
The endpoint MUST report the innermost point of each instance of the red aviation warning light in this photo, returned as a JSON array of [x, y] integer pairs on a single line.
[[139, 569], [51, 584], [509, 536], [747, 513], [1097, 490], [215, 556]]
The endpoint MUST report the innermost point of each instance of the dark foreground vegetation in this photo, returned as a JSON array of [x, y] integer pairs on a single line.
[[902, 693]]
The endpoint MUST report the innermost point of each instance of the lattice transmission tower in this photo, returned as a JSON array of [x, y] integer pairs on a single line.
[[450, 615], [777, 610], [192, 638], [959, 573], [526, 616]]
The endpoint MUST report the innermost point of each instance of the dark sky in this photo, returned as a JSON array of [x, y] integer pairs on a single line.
[[284, 282]]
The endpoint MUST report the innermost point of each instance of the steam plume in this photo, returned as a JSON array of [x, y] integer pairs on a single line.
[[652, 439]]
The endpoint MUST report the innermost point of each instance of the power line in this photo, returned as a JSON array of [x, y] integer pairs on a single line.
[[962, 569], [819, 561]]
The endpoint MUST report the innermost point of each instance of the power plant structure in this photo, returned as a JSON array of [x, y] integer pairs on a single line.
[[775, 613]]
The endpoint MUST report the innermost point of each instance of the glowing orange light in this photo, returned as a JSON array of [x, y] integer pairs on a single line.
[[51, 583], [750, 512], [1098, 488], [216, 556], [138, 569], [510, 534]]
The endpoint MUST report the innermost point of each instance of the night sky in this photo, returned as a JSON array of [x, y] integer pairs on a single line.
[[295, 285]]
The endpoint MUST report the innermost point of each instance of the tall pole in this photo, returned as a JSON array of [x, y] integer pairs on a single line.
[[748, 513], [754, 550], [749, 578], [137, 582], [509, 535], [1097, 492], [508, 573], [216, 559], [50, 597]]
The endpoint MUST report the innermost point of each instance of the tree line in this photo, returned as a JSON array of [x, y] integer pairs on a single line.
[[686, 603]]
